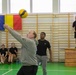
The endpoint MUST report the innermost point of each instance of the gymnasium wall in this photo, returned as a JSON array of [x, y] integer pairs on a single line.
[[58, 28]]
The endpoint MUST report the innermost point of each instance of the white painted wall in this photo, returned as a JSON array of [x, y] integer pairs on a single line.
[[6, 8]]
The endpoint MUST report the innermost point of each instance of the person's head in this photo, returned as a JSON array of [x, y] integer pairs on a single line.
[[75, 18], [2, 46], [32, 34], [42, 35], [12, 44]]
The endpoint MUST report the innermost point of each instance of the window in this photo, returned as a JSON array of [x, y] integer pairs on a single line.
[[0, 6], [16, 5], [42, 6], [67, 6]]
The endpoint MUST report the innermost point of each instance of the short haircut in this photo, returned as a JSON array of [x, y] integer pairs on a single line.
[[2, 45], [35, 35], [43, 33], [12, 43]]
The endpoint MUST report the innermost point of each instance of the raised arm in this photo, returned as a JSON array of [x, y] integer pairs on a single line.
[[14, 33]]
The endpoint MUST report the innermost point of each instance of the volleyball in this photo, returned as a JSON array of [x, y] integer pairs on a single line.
[[23, 13]]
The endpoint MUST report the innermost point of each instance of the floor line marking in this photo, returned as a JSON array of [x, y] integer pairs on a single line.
[[7, 72], [9, 69]]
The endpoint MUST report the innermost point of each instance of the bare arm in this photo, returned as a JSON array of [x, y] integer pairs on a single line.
[[50, 52]]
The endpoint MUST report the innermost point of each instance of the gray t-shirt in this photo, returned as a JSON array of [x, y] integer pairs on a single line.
[[29, 48]]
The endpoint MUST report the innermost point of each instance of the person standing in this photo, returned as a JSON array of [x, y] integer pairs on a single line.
[[28, 53], [43, 44], [74, 29]]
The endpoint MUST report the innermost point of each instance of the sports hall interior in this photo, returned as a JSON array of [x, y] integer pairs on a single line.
[[55, 18]]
